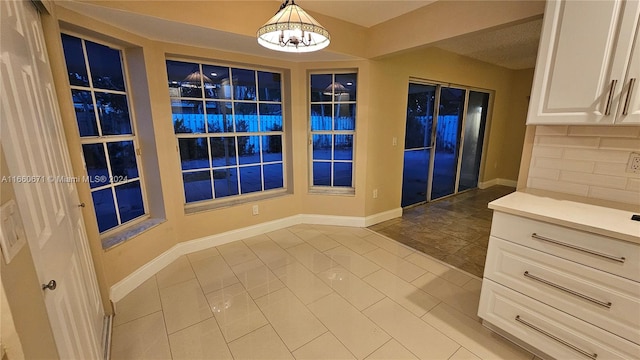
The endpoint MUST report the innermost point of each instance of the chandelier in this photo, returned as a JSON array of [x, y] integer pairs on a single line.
[[291, 29]]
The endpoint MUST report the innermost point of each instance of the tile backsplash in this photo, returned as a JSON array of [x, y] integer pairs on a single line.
[[589, 161]]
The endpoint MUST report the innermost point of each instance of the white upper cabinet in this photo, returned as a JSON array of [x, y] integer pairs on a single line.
[[588, 64]]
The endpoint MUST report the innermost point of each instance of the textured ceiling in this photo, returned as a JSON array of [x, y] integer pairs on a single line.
[[514, 47]]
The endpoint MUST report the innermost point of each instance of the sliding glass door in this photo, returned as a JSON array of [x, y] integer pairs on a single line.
[[448, 129], [443, 143], [417, 143]]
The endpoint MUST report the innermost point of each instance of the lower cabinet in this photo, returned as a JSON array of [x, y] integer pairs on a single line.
[[562, 298]]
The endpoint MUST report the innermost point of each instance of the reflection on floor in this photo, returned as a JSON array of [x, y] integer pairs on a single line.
[[455, 229], [307, 292]]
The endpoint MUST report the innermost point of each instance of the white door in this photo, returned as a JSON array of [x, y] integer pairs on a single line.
[[35, 146]]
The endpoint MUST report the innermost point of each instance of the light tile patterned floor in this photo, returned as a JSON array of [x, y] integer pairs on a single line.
[[307, 292]]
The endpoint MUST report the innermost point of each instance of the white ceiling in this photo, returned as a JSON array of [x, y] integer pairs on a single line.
[[513, 47]]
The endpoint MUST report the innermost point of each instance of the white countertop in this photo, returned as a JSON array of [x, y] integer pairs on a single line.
[[556, 209]]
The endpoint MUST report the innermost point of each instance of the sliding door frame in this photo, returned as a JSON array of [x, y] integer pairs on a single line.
[[436, 113]]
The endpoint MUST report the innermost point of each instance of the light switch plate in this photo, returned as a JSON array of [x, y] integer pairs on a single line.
[[12, 237]]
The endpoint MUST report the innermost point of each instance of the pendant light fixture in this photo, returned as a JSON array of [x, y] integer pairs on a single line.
[[291, 29]]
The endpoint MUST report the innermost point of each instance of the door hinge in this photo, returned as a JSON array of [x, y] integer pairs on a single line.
[[138, 151]]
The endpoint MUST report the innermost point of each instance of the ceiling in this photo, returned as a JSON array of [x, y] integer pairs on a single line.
[[364, 13], [513, 47]]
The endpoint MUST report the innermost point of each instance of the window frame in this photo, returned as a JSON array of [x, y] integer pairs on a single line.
[[105, 139], [331, 189], [229, 200]]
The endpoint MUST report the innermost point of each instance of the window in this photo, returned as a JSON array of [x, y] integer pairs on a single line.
[[332, 126], [98, 88], [229, 127]]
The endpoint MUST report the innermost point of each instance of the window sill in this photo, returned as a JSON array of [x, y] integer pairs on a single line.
[[320, 190], [195, 208], [129, 232]]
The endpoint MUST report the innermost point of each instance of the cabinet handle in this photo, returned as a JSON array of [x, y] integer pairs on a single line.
[[625, 109], [567, 290], [607, 109], [550, 335], [620, 259]]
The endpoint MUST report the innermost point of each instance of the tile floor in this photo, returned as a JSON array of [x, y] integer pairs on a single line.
[[307, 292], [454, 230]]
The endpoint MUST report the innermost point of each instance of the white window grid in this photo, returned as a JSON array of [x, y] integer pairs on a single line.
[[235, 135], [104, 140], [333, 133]]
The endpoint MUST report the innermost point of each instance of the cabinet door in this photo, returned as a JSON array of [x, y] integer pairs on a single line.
[[629, 106], [575, 71]]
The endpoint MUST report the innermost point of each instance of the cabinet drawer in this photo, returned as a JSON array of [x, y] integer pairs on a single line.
[[599, 298], [607, 254], [553, 332]]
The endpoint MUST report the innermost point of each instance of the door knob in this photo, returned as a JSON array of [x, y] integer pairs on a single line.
[[51, 285]]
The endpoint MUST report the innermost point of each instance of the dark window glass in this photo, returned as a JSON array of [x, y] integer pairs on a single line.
[[269, 86], [249, 149], [321, 173], [194, 153], [223, 151], [321, 88], [96, 163], [106, 66], [197, 186], [250, 179], [74, 57], [219, 117], [129, 197], [345, 117], [185, 79], [122, 156], [272, 148], [244, 84], [102, 114], [273, 178], [218, 85], [322, 147], [321, 117], [270, 117], [332, 122], [345, 89], [236, 106], [113, 111], [246, 115], [188, 116], [342, 173], [343, 147], [105, 209], [225, 182], [85, 112]]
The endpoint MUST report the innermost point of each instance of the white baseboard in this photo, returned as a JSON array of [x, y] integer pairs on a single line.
[[123, 287], [497, 181], [383, 216]]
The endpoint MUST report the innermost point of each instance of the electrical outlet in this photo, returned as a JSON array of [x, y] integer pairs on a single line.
[[255, 210], [633, 166], [394, 141], [375, 193]]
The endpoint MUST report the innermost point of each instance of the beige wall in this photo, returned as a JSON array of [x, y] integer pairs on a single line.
[[22, 288], [390, 78], [382, 88]]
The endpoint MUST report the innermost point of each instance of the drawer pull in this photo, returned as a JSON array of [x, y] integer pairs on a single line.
[[606, 304], [565, 343], [606, 256]]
